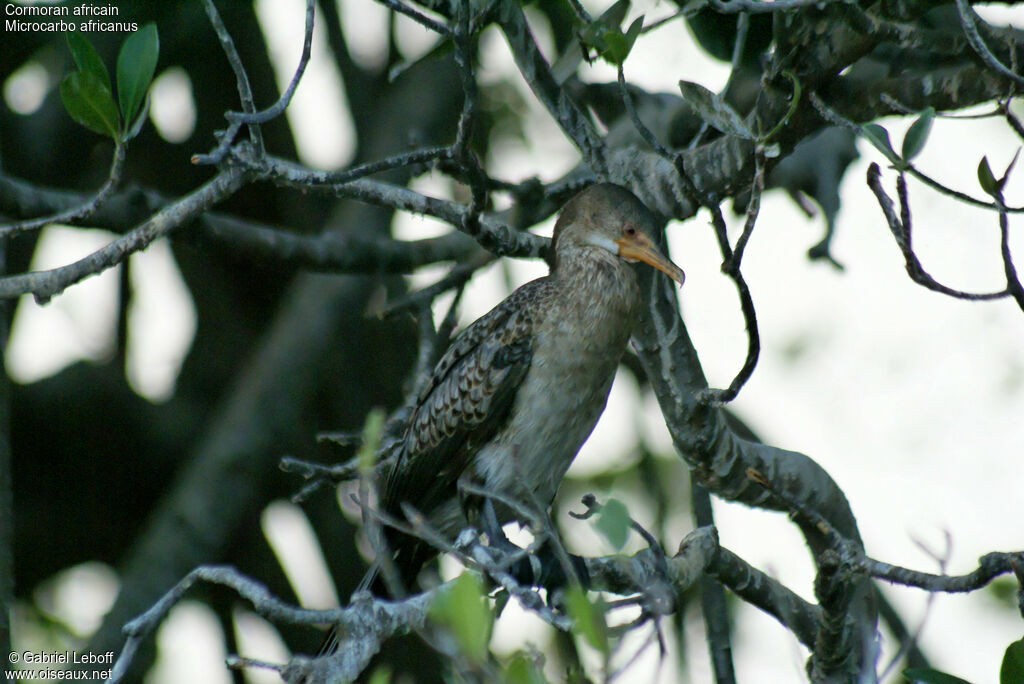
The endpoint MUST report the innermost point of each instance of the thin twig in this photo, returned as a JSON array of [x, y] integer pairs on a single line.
[[651, 639], [910, 641], [834, 117], [256, 593], [535, 70], [731, 268], [313, 178], [990, 566], [901, 231], [1013, 285], [45, 284], [730, 265], [753, 207], [241, 77], [901, 108], [282, 103], [494, 235], [82, 211], [465, 54], [421, 19], [1011, 118], [658, 23], [335, 252], [738, 47], [253, 118], [712, 595], [676, 158], [458, 276]]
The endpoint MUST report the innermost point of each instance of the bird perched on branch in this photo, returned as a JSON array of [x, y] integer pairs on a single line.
[[517, 393]]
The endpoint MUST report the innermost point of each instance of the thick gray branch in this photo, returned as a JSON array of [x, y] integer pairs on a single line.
[[536, 71]]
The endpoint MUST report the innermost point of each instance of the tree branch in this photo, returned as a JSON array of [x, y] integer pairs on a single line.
[[556, 100], [82, 211], [45, 284], [901, 231]]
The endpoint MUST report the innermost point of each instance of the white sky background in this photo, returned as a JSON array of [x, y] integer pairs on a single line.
[[912, 401]]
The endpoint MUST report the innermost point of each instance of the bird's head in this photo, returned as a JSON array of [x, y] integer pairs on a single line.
[[609, 217]]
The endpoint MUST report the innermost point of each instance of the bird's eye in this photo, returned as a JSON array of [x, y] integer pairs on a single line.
[[629, 230]]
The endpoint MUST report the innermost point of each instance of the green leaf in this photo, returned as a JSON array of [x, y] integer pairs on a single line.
[[613, 521], [714, 110], [133, 129], [522, 669], [620, 44], [1004, 590], [86, 58], [616, 14], [917, 134], [381, 675], [1012, 669], [879, 137], [596, 33], [90, 103], [926, 675], [588, 618], [465, 611], [366, 457], [985, 178], [565, 66], [135, 66]]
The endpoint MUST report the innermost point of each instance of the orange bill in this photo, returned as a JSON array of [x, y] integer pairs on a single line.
[[639, 247]]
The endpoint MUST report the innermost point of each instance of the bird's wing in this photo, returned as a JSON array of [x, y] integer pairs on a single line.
[[465, 403]]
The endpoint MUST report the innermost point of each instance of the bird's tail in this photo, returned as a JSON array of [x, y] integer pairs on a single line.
[[372, 583]]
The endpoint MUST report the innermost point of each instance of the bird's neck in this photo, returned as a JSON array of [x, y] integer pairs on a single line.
[[601, 283]]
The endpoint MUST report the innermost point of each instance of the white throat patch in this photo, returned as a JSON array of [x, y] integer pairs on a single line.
[[603, 241]]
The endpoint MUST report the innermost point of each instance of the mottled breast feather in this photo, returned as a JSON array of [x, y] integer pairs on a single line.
[[465, 403]]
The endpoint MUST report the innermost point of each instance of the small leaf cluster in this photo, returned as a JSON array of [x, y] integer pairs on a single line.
[[720, 115], [613, 522], [913, 141], [989, 183], [465, 612], [588, 618], [605, 36], [87, 93], [373, 429], [715, 111]]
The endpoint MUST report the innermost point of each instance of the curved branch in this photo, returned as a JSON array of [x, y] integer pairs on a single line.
[[990, 566], [901, 231], [721, 461], [330, 251], [336, 252], [227, 44], [967, 21], [84, 210], [253, 118], [556, 100], [494, 235], [44, 284]]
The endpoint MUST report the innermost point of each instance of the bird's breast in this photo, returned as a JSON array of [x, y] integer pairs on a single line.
[[577, 345]]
